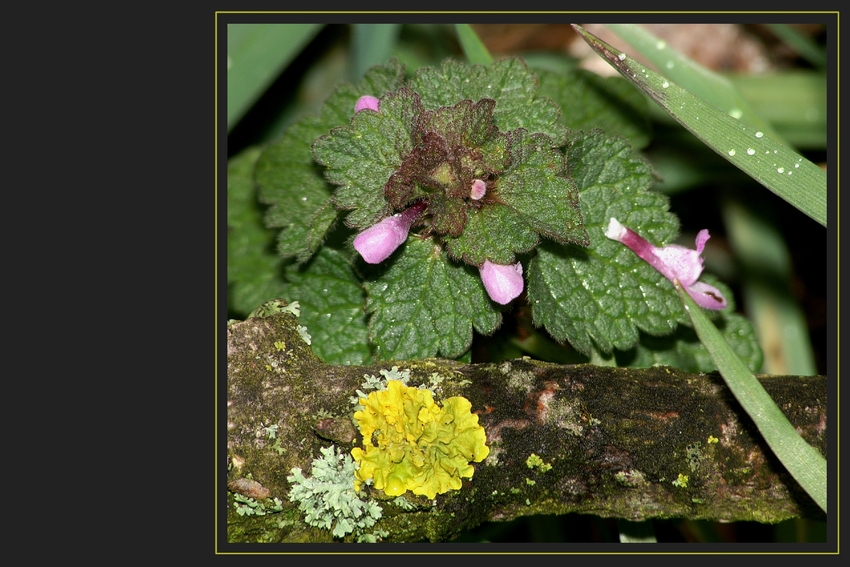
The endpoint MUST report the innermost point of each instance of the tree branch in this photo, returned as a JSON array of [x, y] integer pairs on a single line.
[[627, 443]]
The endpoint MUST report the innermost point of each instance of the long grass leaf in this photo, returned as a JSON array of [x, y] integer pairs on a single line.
[[800, 43], [803, 462], [777, 167], [372, 44], [474, 49], [700, 81], [775, 93], [256, 54], [765, 277]]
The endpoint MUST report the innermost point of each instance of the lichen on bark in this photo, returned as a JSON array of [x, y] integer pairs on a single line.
[[620, 441]]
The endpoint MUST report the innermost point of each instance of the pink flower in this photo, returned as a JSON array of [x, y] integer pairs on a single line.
[[377, 242], [673, 261], [503, 282], [367, 101]]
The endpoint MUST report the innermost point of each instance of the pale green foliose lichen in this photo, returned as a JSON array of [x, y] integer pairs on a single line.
[[305, 335], [328, 498], [372, 382], [247, 506], [274, 307]]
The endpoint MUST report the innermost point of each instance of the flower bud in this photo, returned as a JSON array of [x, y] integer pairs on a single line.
[[367, 101], [479, 188], [503, 282], [376, 243]]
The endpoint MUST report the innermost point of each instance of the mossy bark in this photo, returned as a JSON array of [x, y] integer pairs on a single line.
[[626, 443]]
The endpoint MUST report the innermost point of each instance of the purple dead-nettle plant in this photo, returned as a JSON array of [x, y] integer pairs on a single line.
[[481, 194], [458, 188], [375, 244], [673, 261]]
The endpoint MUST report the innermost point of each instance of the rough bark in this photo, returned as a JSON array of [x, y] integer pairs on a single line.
[[626, 443]]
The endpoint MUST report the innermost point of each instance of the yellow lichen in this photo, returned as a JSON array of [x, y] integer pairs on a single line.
[[412, 443], [535, 461]]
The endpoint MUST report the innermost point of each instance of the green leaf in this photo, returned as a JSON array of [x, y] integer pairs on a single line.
[[361, 157], [253, 269], [331, 298], [778, 168], [509, 82], [604, 293], [804, 462], [474, 49], [256, 54], [539, 189], [493, 232], [534, 195], [589, 101], [291, 181], [424, 305], [293, 185], [682, 349]]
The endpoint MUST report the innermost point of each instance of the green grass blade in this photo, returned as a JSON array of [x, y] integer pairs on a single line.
[[256, 55], [803, 462], [704, 83], [765, 277], [803, 90], [802, 44], [474, 49], [777, 167], [371, 44]]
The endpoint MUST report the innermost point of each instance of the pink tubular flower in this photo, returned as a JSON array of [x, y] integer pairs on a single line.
[[503, 282], [673, 261], [364, 102], [377, 242]]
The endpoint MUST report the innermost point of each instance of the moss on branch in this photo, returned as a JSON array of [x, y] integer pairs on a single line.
[[616, 442]]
